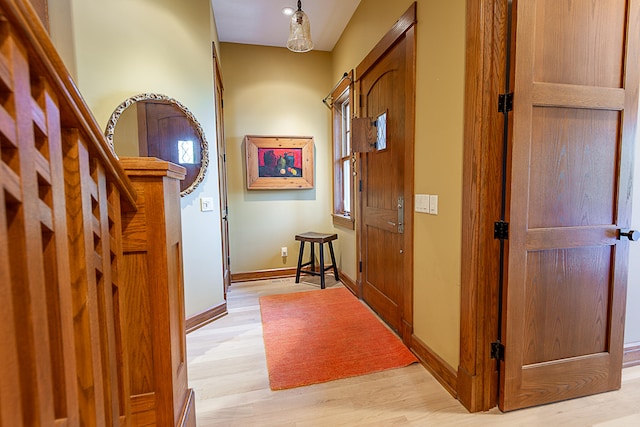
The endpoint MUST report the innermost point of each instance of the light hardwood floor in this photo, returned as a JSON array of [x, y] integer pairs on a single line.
[[228, 372]]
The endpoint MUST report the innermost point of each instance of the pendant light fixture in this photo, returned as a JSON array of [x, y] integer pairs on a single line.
[[299, 32]]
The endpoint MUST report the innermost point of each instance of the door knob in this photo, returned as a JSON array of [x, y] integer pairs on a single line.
[[633, 235]]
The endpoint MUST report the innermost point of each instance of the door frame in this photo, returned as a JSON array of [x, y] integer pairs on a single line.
[[222, 171], [485, 77], [404, 27]]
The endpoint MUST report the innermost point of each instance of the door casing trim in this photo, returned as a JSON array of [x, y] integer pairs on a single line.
[[477, 378]]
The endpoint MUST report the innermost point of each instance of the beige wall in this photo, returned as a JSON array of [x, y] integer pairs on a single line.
[[121, 48], [125, 135], [438, 152], [271, 91], [61, 31]]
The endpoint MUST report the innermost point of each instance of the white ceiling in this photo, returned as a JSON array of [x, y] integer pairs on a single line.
[[262, 22]]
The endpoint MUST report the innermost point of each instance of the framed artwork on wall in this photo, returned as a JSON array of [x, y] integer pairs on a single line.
[[279, 162]]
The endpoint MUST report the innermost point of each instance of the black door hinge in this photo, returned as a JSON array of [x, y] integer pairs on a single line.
[[501, 230], [505, 102], [360, 266], [360, 186], [497, 350]]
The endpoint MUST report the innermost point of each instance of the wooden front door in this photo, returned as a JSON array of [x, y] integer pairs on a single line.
[[574, 117], [222, 173], [385, 86]]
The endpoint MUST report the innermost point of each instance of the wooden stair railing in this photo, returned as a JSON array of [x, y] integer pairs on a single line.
[[64, 356]]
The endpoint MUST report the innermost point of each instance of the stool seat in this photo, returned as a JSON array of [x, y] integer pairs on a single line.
[[313, 237]]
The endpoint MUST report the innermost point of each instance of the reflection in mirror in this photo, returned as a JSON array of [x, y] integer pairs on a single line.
[[153, 125]]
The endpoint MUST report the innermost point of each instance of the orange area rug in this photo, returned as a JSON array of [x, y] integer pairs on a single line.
[[323, 335]]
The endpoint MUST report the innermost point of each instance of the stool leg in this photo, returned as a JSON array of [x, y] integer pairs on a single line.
[[313, 258], [321, 265], [333, 262], [300, 261]]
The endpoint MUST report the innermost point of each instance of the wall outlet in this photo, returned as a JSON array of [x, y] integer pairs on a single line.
[[283, 251]]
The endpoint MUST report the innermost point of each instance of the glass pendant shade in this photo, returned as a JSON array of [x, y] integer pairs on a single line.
[[299, 32]]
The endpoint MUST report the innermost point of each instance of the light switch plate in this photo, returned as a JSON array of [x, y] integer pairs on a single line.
[[206, 204], [433, 204], [422, 203]]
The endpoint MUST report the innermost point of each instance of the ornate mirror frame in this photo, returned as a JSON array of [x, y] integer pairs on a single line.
[[204, 146]]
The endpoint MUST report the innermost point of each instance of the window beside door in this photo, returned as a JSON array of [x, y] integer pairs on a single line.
[[343, 159]]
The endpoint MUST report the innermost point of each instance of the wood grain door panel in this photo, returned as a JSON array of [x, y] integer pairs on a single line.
[[575, 107], [383, 184], [567, 303]]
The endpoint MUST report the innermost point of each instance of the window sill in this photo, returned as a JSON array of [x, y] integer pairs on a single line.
[[343, 221]]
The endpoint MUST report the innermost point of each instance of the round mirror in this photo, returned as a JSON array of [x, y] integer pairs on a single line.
[[154, 125]]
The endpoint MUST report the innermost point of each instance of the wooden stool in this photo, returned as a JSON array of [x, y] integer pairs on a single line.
[[321, 239]]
